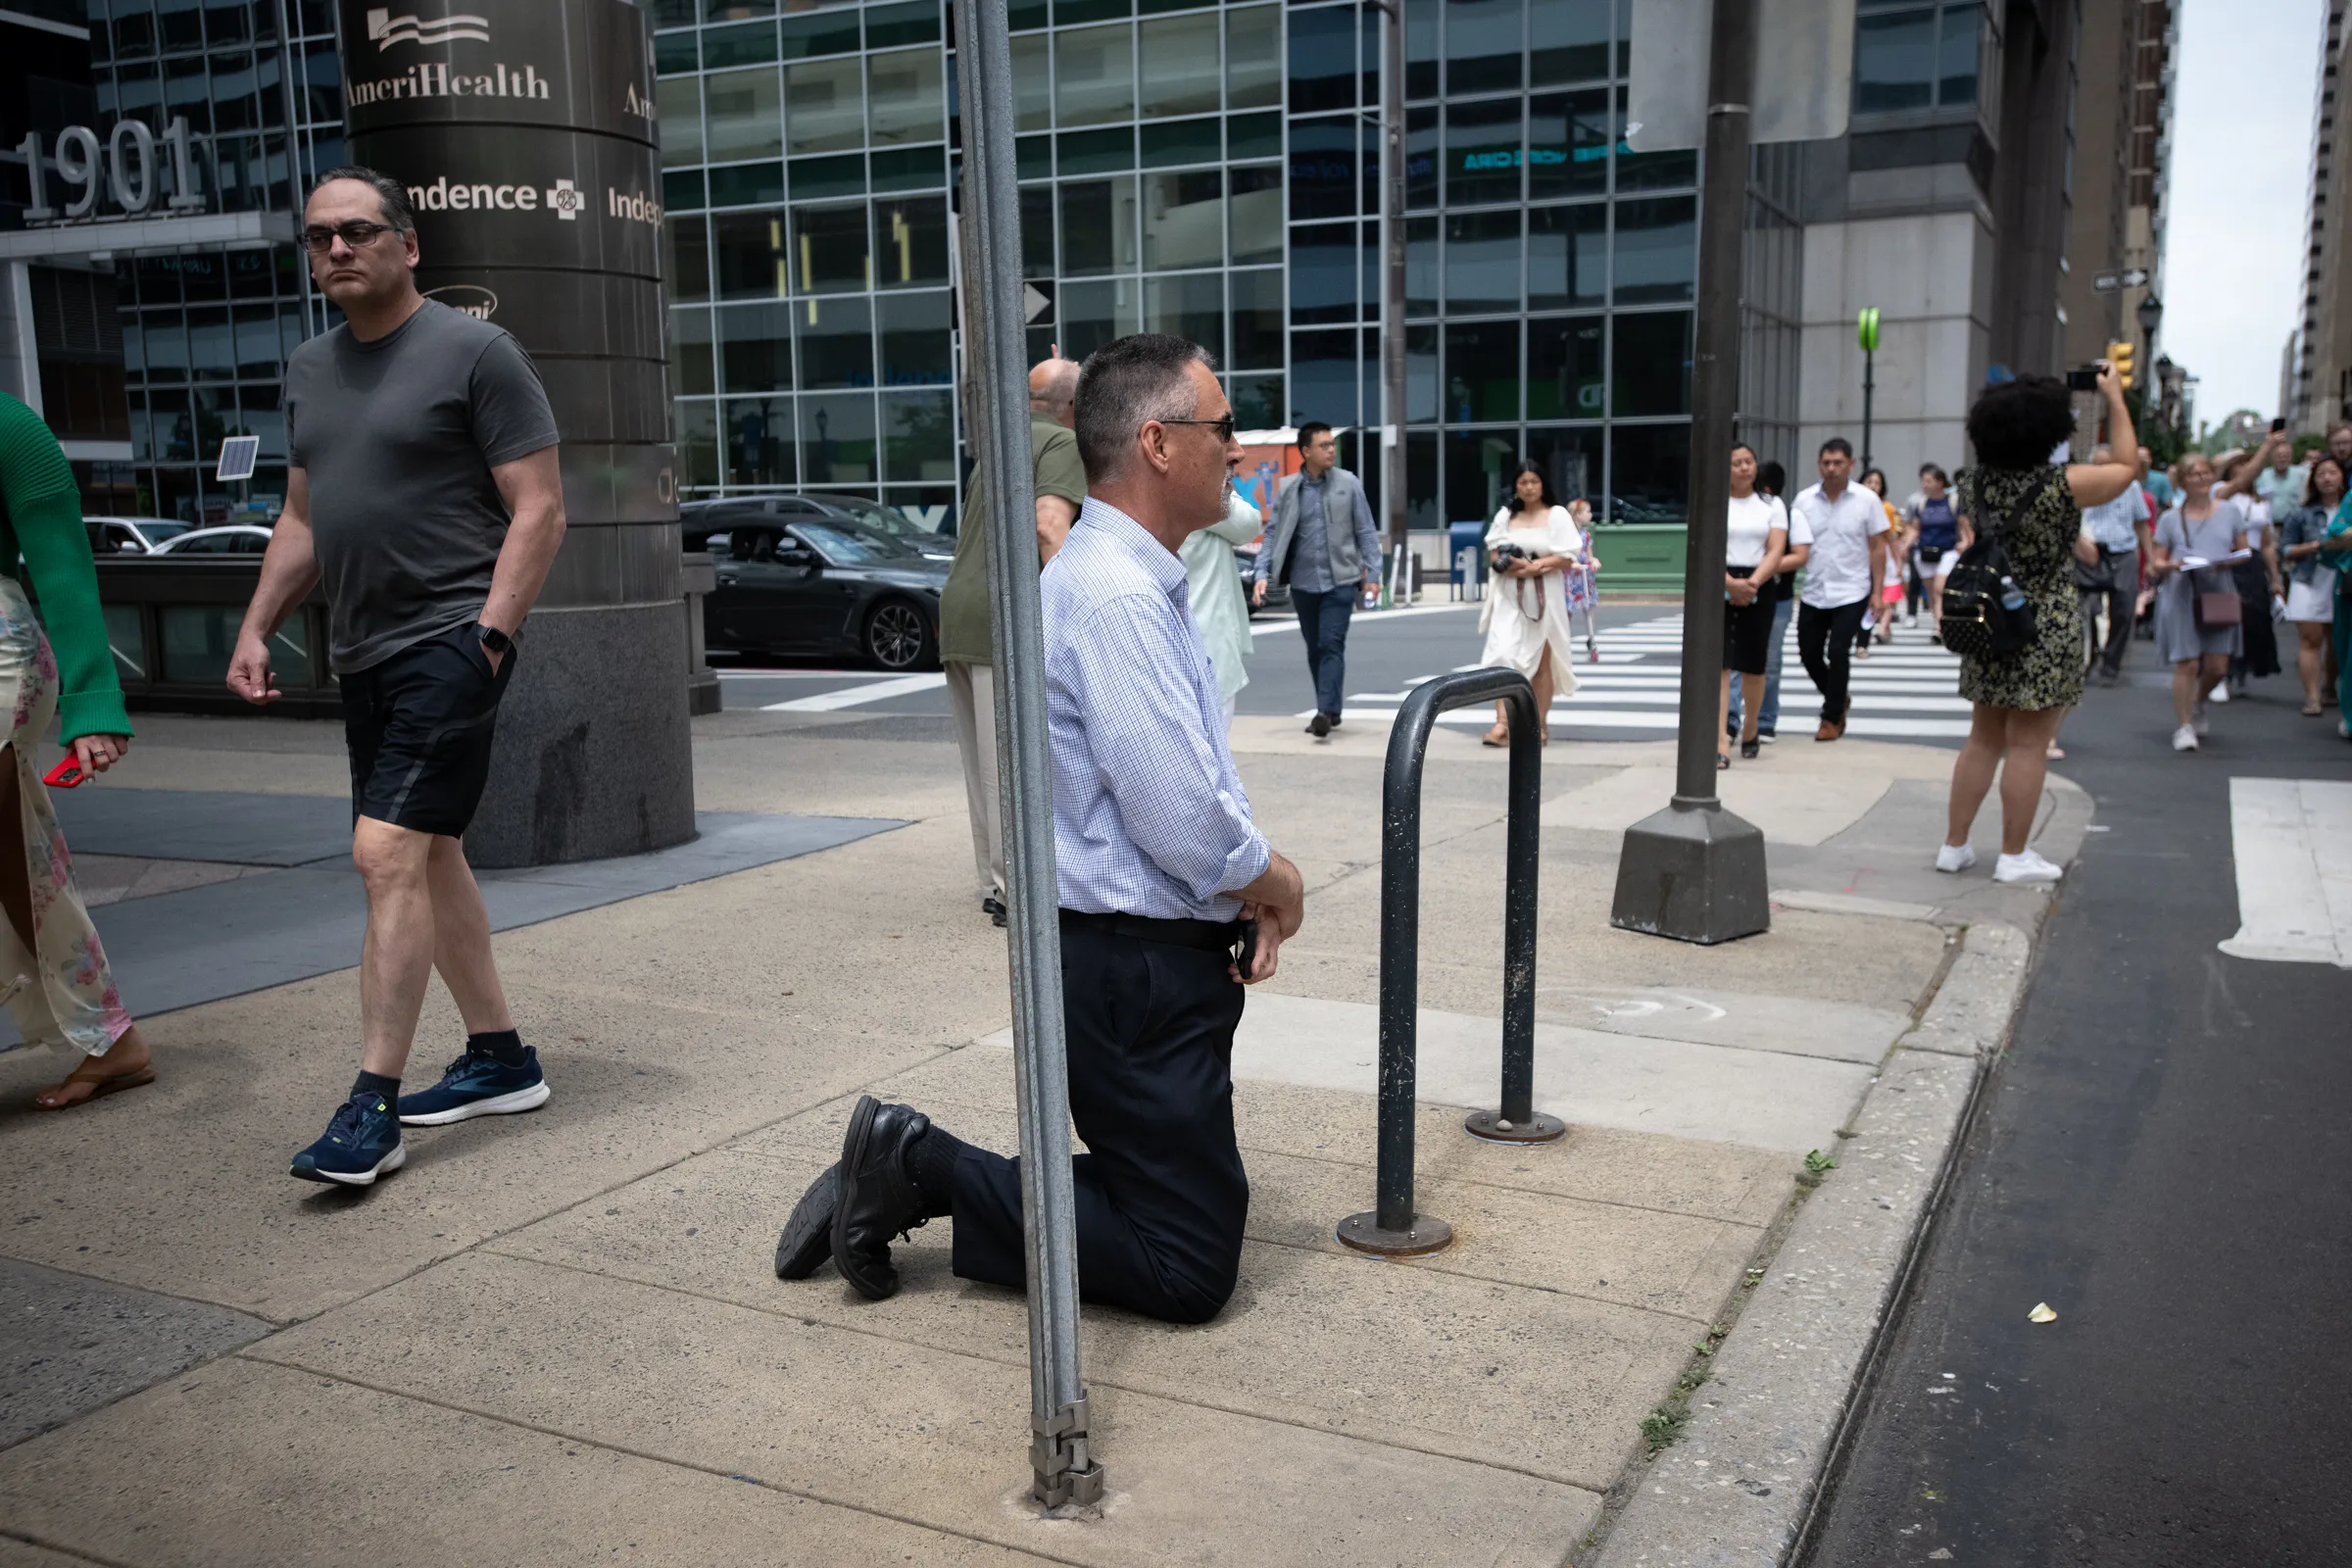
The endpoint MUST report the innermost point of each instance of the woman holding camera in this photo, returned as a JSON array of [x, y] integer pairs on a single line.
[[2034, 508], [1756, 540], [1532, 545]]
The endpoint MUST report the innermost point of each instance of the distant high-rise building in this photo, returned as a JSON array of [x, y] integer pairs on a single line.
[[2319, 383]]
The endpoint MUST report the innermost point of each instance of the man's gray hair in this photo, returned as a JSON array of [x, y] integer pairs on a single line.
[[1125, 384], [394, 196]]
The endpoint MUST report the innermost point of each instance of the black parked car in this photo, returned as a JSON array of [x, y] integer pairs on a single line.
[[860, 510], [817, 585]]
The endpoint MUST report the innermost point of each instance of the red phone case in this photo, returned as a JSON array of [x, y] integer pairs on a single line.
[[67, 774]]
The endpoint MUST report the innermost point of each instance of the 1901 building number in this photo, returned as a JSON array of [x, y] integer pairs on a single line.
[[122, 167]]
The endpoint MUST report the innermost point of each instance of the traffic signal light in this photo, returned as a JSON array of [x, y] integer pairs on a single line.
[[2119, 355]]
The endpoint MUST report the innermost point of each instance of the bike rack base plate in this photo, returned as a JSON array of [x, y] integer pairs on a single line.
[[1363, 1233], [1537, 1129]]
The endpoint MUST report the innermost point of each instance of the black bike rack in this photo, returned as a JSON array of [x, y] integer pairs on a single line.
[[1392, 1229]]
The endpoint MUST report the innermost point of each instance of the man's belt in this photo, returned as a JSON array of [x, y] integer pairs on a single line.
[[1209, 936]]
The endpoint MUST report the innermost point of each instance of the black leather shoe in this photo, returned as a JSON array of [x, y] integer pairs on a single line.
[[876, 1195], [807, 1239], [1319, 725]]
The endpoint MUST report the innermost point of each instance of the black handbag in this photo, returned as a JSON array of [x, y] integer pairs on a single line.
[[1985, 614]]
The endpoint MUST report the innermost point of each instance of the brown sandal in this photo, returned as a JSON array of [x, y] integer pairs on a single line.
[[1499, 735], [100, 1088]]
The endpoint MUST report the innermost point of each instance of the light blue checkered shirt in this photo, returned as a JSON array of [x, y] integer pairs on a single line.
[[1150, 818]]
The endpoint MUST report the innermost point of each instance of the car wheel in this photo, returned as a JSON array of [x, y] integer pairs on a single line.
[[897, 636]]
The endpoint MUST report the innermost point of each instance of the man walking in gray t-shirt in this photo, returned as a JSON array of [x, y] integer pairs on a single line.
[[422, 492]]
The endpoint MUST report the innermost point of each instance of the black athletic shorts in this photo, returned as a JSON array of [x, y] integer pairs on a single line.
[[419, 726]]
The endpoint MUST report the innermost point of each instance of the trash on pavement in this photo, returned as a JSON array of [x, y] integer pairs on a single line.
[[2042, 1314]]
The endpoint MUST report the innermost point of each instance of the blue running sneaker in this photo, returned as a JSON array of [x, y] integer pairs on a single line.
[[477, 1084], [362, 1143]]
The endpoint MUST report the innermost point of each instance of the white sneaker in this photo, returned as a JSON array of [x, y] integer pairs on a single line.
[[2220, 692], [1954, 857], [2198, 719], [2027, 867], [2184, 739]]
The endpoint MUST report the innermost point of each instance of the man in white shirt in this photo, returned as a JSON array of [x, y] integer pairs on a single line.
[[2118, 528], [1849, 530]]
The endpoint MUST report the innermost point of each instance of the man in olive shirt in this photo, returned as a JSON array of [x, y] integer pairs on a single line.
[[965, 640]]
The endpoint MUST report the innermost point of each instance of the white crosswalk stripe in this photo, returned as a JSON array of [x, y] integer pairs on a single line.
[[1906, 690]]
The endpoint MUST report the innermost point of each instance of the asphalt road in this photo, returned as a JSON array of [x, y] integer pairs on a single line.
[[2165, 1158]]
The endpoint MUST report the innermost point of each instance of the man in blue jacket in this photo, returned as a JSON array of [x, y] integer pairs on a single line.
[[1321, 541]]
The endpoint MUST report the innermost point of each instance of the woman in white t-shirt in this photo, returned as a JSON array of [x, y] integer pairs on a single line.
[[1532, 545], [1756, 537]]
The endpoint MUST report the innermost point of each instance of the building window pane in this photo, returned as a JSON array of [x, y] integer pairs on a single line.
[[1256, 320], [1570, 42], [745, 114], [1255, 221], [1649, 473], [1182, 141], [679, 99], [1037, 231], [1253, 136], [1323, 272], [212, 353], [698, 443], [914, 236], [911, 169], [1097, 227], [1093, 78], [1323, 376], [747, 185], [1653, 364], [751, 260], [690, 357], [1478, 472], [760, 441], [1482, 45], [1092, 314], [1322, 59], [915, 341], [1095, 152], [1191, 307], [688, 268], [1570, 459], [837, 342], [1567, 144], [1565, 367], [1482, 261], [740, 46], [918, 435], [1482, 372], [824, 106], [1258, 405], [1323, 177], [1894, 61], [1420, 266], [832, 33], [829, 249], [837, 440], [754, 347], [887, 27], [1253, 58], [1567, 257], [255, 331], [903, 96], [1963, 26], [1483, 149], [1032, 83], [1657, 250], [1421, 374], [1184, 219], [1179, 60]]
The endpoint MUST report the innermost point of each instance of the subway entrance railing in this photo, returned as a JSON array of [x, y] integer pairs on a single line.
[[1393, 1228]]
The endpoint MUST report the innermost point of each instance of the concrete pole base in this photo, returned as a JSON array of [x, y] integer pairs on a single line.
[[593, 756], [1694, 872]]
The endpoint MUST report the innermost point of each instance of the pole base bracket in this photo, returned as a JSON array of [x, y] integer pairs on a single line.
[[1425, 1235], [1694, 872], [1492, 1126]]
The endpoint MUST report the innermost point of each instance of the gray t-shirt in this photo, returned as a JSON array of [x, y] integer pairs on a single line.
[[398, 438]]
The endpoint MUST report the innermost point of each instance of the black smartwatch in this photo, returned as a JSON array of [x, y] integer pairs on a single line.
[[498, 642]]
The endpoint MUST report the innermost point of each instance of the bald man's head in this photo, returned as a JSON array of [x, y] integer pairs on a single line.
[[1054, 390]]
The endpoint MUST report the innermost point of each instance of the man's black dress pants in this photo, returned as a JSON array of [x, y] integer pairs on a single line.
[[1825, 641], [1161, 1194]]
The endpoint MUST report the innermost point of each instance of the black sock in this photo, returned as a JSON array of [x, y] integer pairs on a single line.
[[504, 1044], [376, 1084], [931, 1166]]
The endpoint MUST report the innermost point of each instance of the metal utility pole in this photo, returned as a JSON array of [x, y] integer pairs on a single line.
[[1694, 871], [995, 413], [1866, 330], [1391, 286]]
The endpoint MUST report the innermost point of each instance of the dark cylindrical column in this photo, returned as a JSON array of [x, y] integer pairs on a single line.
[[525, 131]]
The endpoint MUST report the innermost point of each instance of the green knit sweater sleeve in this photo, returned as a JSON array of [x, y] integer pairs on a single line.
[[44, 514]]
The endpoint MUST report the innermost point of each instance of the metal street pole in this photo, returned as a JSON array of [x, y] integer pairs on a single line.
[[995, 413], [1694, 871], [1392, 281]]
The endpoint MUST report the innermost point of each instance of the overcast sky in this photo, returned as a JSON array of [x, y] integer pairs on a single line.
[[2241, 178]]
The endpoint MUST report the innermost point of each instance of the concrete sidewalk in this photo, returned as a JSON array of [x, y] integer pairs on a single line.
[[559, 1335]]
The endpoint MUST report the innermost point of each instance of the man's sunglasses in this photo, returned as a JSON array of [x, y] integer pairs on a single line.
[[1223, 428], [358, 234]]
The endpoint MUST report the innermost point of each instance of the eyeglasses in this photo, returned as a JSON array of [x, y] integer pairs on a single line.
[[1223, 428], [358, 234]]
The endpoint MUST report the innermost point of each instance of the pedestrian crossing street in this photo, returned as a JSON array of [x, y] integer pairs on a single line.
[[1906, 690]]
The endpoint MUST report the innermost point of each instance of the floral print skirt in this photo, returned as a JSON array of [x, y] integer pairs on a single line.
[[64, 994]]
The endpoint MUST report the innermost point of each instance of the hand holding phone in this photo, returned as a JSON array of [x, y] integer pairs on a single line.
[[67, 774]]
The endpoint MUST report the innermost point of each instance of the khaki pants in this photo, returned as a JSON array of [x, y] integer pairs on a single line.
[[972, 692]]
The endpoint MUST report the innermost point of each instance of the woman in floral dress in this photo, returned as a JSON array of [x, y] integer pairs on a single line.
[[2035, 508]]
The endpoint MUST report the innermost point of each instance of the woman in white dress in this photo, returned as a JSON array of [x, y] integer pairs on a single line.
[[1531, 547]]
